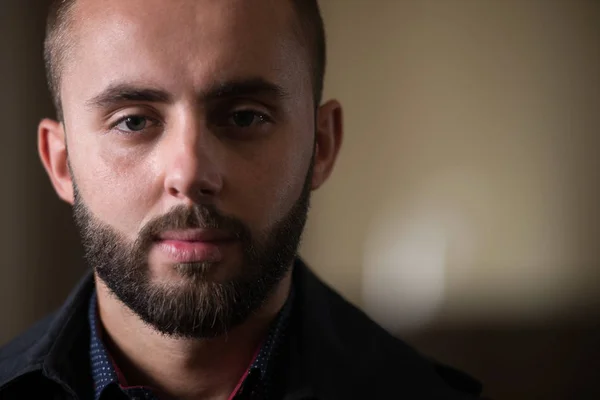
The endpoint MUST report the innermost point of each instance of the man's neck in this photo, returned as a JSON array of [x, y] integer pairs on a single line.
[[184, 368]]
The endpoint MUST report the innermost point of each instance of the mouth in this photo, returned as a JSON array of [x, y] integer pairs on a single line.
[[195, 245]]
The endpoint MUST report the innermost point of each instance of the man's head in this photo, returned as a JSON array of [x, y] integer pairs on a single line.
[[193, 145], [308, 25]]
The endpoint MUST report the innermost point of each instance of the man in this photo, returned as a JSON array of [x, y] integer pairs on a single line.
[[190, 134]]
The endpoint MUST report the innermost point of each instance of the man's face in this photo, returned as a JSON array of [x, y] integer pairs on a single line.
[[190, 130]]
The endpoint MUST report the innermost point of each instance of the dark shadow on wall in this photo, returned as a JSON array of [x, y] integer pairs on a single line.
[[41, 251], [553, 361]]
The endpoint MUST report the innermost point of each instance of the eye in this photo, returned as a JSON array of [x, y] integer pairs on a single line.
[[246, 118], [133, 123]]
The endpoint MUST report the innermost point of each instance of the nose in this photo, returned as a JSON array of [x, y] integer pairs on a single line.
[[191, 171]]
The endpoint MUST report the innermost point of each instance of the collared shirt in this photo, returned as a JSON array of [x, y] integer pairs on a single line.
[[254, 384]]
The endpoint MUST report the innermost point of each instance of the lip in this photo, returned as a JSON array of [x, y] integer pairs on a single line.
[[194, 245], [196, 235]]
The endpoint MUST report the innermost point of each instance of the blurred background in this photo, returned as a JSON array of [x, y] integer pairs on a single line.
[[463, 213]]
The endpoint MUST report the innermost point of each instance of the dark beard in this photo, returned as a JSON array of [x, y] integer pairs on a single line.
[[198, 307]]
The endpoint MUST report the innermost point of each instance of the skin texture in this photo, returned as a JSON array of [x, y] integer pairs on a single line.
[[191, 55]]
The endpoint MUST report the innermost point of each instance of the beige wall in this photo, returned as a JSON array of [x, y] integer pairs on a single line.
[[467, 187], [463, 213]]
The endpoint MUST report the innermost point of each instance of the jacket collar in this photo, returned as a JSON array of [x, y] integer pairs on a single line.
[[337, 352], [54, 346], [319, 365]]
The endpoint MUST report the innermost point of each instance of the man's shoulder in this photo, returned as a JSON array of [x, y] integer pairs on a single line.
[[47, 347], [23, 357], [24, 342], [354, 343]]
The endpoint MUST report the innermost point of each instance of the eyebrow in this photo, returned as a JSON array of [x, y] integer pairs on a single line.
[[119, 93], [122, 93], [244, 87]]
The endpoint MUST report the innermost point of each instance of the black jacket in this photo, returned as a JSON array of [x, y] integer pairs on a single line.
[[334, 351]]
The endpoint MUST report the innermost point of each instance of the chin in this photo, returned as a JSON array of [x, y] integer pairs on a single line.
[[195, 272]]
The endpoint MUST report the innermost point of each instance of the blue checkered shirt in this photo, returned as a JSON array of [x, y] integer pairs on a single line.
[[256, 385]]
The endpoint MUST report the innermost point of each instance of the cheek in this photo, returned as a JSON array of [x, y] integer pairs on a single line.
[[116, 188], [266, 188]]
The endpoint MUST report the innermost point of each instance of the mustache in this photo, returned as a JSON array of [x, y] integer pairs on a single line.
[[198, 216]]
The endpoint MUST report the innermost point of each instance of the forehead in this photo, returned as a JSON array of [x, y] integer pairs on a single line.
[[181, 42]]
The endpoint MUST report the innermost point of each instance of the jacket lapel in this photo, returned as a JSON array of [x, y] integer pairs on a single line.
[[56, 347]]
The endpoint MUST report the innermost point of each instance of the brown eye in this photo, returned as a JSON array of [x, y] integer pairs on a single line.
[[238, 119], [244, 119]]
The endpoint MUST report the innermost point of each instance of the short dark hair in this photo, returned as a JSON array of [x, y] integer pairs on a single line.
[[311, 31]]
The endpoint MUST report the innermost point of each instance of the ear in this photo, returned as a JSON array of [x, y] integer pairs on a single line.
[[328, 140], [52, 148]]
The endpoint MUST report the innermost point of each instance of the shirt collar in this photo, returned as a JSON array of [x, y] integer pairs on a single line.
[[257, 379], [103, 371]]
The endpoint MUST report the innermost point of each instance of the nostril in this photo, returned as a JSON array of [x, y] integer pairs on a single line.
[[203, 192], [172, 191]]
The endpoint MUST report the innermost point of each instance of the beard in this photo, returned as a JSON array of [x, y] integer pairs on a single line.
[[195, 307]]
